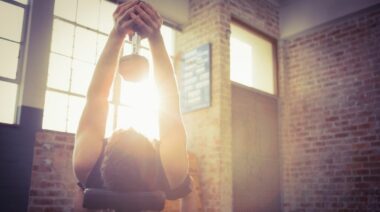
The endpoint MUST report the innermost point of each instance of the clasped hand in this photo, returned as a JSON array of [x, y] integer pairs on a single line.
[[139, 17]]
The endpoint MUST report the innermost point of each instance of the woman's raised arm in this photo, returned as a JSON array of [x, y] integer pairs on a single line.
[[91, 129]]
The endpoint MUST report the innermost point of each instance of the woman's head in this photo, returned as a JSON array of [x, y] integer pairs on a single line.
[[129, 163]]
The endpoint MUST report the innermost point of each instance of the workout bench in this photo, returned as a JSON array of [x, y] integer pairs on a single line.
[[126, 201]]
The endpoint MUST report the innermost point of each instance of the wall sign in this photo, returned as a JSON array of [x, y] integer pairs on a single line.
[[195, 79]]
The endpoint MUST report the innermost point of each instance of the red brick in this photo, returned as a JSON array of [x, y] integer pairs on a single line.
[[43, 201], [360, 159], [54, 209], [371, 178], [337, 74], [361, 172], [35, 209]]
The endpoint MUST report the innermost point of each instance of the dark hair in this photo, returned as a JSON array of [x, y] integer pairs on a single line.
[[129, 163]]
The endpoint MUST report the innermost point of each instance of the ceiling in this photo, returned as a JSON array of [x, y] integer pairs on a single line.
[[299, 15], [295, 15]]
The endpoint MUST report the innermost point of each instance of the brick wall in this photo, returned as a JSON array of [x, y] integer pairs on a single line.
[[259, 14], [330, 105], [209, 129], [53, 185]]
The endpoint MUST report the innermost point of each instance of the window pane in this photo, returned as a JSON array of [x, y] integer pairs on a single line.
[[11, 21], [144, 43], [142, 107], [128, 49], [88, 13], [8, 94], [85, 45], [101, 42], [23, 1], [263, 68], [110, 120], [141, 95], [63, 38], [168, 35], [147, 123], [146, 53], [111, 94], [65, 9], [76, 105], [241, 62], [252, 61], [143, 121], [55, 111], [124, 116], [81, 76], [106, 19], [129, 93], [59, 72], [9, 59]]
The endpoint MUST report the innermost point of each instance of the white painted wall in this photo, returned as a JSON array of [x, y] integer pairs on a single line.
[[299, 15]]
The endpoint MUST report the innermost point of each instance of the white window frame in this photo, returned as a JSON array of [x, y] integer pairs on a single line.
[[20, 63], [115, 100], [273, 43]]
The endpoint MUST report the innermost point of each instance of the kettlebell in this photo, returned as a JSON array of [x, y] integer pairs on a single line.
[[134, 67]]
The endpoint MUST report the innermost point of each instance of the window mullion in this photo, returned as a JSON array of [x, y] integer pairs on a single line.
[[12, 41], [80, 25], [9, 80], [71, 70], [15, 3], [116, 98], [22, 47], [66, 92]]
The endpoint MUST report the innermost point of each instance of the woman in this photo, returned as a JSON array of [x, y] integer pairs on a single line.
[[129, 162]]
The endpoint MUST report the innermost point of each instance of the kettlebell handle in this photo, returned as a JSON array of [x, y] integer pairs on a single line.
[[136, 39]]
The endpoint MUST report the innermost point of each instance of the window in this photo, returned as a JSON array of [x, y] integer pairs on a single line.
[[80, 31], [252, 59], [11, 43]]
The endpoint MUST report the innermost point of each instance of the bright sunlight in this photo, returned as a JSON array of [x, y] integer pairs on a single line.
[[142, 110], [74, 52]]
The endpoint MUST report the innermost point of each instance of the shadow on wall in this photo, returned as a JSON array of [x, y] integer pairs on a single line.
[[53, 184]]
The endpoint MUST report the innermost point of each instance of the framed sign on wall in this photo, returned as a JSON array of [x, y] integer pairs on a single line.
[[195, 79]]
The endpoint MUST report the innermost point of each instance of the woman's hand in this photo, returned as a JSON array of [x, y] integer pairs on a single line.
[[147, 21], [124, 25]]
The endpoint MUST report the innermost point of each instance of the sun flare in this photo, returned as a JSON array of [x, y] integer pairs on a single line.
[[139, 108]]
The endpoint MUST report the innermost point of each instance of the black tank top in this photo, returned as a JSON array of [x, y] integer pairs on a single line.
[[95, 180]]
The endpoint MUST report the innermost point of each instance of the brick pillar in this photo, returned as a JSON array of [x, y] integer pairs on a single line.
[[209, 129]]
